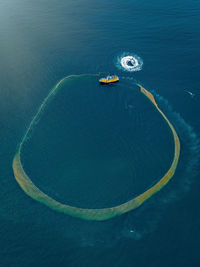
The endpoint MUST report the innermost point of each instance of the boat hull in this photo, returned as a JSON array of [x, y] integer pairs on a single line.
[[111, 82], [109, 79]]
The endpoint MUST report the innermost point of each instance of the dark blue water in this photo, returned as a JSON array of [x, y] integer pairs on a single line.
[[100, 146]]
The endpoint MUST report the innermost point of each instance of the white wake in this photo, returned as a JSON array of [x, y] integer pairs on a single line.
[[128, 62]]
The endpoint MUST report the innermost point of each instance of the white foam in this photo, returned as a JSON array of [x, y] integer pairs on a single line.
[[130, 62]]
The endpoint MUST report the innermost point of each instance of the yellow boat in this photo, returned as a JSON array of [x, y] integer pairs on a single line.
[[109, 79]]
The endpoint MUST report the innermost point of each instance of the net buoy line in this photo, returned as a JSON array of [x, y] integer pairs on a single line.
[[35, 193]]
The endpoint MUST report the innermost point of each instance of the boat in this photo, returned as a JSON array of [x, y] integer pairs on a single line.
[[109, 79]]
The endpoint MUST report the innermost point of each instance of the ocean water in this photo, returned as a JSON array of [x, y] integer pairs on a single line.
[[98, 146]]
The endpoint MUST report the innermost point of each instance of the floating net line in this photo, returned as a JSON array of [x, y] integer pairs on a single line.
[[89, 214]]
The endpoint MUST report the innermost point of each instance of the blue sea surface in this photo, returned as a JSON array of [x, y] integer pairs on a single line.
[[98, 146]]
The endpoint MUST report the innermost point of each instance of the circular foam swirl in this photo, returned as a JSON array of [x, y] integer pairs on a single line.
[[130, 62]]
